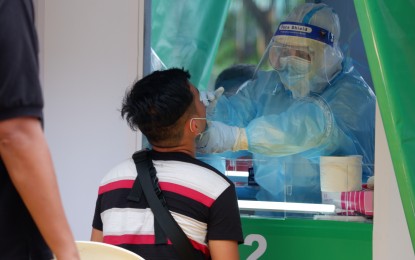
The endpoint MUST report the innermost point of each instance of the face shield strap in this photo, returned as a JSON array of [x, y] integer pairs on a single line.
[[306, 31]]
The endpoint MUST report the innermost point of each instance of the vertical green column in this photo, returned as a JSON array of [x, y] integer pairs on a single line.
[[186, 33], [389, 39]]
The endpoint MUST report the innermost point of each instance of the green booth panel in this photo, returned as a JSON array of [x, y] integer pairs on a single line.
[[305, 239]]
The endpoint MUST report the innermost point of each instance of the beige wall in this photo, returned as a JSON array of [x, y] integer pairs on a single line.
[[90, 53]]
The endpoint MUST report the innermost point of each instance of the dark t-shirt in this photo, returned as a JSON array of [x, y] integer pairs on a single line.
[[20, 95]]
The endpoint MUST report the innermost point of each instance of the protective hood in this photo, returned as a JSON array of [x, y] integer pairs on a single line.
[[304, 49]]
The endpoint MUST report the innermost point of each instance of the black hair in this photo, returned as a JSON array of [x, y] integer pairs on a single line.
[[156, 104]]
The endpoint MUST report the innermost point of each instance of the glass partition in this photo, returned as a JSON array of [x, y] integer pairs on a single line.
[[333, 189]]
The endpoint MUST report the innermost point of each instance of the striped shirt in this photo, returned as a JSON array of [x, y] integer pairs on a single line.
[[202, 201]]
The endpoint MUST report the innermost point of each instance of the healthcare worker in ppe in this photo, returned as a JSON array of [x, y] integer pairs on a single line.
[[304, 101], [228, 82]]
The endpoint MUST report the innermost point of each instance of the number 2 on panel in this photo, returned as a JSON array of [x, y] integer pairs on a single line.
[[262, 245]]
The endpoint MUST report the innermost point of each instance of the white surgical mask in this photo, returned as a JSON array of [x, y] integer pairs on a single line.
[[294, 74], [295, 64]]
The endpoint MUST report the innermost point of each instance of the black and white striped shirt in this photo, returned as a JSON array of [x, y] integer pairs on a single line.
[[202, 201]]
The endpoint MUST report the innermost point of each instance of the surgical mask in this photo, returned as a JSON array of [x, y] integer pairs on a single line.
[[295, 65], [294, 74]]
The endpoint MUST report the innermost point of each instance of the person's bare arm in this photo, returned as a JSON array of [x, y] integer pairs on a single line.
[[25, 153], [223, 249], [96, 235]]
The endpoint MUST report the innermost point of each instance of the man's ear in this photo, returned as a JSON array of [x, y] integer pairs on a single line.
[[197, 125], [193, 127]]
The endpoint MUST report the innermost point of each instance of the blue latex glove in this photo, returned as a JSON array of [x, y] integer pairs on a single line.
[[210, 98], [219, 137]]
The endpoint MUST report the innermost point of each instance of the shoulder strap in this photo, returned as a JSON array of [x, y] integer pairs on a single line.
[[161, 214]]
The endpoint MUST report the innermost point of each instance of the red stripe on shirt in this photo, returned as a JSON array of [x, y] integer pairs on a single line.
[[187, 192], [131, 239], [200, 247], [122, 184]]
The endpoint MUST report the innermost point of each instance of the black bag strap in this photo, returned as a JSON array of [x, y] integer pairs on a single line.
[[137, 193], [157, 203]]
